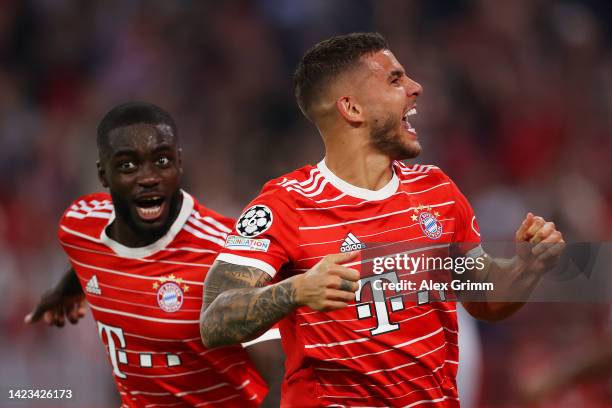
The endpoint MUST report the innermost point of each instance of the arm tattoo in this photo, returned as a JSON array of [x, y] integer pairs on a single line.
[[238, 306]]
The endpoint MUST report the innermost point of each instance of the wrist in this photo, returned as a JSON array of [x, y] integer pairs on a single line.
[[296, 283]]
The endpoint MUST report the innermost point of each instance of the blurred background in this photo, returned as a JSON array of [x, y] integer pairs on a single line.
[[517, 109]]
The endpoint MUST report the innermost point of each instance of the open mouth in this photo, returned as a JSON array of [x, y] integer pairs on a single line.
[[406, 123], [150, 208]]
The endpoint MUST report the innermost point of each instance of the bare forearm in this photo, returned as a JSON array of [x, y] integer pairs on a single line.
[[69, 284], [510, 282], [239, 315], [238, 306]]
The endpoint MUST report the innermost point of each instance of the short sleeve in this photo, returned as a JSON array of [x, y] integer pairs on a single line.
[[467, 235], [85, 218], [264, 235]]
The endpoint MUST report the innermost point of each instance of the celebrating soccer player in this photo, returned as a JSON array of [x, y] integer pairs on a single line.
[[348, 344], [140, 256]]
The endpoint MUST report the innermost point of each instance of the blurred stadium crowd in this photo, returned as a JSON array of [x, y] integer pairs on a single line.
[[517, 109]]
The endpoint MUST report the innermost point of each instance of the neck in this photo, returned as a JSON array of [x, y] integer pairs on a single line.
[[126, 233], [352, 159]]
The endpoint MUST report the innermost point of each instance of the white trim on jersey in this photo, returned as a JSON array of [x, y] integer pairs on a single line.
[[392, 348], [143, 252], [93, 251], [272, 334], [327, 200], [337, 343], [412, 180], [163, 340], [222, 400], [209, 229], [141, 317], [199, 234], [373, 218], [376, 385], [366, 201], [437, 387], [131, 275], [358, 192], [93, 214], [313, 194], [80, 235], [212, 222], [189, 249], [161, 405], [245, 261], [433, 309]]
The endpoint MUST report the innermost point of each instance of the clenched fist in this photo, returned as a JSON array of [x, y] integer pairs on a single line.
[[539, 244], [328, 285]]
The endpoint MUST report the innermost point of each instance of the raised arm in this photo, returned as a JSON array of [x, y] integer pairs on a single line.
[[539, 246], [239, 304]]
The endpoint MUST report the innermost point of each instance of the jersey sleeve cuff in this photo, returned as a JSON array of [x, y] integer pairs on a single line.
[[475, 252], [245, 261], [272, 334]]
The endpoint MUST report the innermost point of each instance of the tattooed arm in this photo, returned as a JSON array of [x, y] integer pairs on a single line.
[[238, 306]]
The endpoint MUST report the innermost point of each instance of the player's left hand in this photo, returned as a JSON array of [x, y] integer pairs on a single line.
[[55, 308], [539, 244]]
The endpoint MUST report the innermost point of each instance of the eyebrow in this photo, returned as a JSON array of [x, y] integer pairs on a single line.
[[165, 146], [123, 152], [128, 151], [396, 73]]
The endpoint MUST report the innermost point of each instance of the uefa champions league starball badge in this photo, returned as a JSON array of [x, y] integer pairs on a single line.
[[428, 221], [254, 221], [170, 293]]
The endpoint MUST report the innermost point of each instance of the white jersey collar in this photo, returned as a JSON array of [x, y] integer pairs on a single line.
[[145, 251], [358, 192]]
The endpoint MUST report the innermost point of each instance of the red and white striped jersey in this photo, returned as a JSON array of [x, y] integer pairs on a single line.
[[381, 350], [146, 302]]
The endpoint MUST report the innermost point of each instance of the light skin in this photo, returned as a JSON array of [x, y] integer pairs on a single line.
[[363, 133]]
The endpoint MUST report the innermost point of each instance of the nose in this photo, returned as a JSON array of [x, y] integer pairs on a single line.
[[413, 88], [149, 176]]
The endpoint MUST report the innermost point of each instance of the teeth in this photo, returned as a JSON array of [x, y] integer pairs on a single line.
[[411, 112], [150, 211]]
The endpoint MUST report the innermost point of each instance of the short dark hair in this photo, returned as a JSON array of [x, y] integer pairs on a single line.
[[329, 58], [131, 113]]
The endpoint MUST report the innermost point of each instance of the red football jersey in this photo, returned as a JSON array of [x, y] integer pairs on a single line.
[[381, 350], [146, 302]]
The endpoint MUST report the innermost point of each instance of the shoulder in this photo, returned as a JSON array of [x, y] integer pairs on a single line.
[[428, 180], [88, 215], [283, 191], [220, 221], [417, 172], [208, 225]]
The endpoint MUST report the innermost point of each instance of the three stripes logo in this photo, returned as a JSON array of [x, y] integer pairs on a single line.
[[92, 286], [351, 243]]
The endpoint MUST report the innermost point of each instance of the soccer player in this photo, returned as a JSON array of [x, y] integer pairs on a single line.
[[140, 255], [347, 343]]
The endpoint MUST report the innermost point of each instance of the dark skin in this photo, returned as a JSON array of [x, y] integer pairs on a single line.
[[138, 162]]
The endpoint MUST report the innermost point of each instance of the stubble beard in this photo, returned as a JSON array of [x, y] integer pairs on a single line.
[[386, 139]]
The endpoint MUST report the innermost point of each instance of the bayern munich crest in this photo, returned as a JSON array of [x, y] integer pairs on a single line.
[[170, 294], [428, 220], [254, 221]]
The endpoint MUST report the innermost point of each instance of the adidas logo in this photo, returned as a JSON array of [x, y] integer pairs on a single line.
[[351, 243], [92, 286]]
